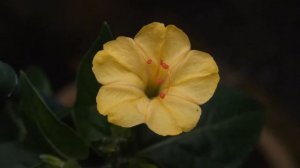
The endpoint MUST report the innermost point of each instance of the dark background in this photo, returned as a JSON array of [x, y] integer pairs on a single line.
[[254, 42]]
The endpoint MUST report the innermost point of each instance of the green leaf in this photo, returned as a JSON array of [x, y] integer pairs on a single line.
[[39, 79], [56, 162], [141, 163], [52, 160], [87, 85], [11, 127], [71, 164], [8, 80], [89, 122], [16, 155], [229, 128], [58, 135]]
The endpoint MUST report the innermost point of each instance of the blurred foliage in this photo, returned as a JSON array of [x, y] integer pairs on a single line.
[[37, 132], [56, 133], [39, 79], [8, 80]]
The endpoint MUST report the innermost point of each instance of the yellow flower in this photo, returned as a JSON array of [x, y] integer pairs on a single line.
[[155, 79]]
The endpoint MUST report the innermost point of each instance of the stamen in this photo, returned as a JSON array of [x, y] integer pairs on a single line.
[[165, 66], [162, 95], [146, 58], [149, 61], [159, 81]]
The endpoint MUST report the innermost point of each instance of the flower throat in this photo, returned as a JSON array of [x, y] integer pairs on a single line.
[[153, 87]]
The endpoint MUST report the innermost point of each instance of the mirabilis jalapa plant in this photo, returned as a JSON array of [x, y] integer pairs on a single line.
[[154, 79]]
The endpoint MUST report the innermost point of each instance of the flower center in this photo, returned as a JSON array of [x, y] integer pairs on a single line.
[[159, 76]]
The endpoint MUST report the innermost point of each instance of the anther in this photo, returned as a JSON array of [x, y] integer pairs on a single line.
[[159, 81], [162, 95], [165, 66], [149, 61], [161, 62]]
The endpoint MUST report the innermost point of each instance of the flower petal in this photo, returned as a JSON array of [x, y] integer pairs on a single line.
[[108, 70], [185, 113], [160, 120], [124, 105], [150, 38], [196, 78], [172, 115], [196, 90], [176, 45], [126, 52], [159, 42], [114, 94], [196, 64], [129, 113]]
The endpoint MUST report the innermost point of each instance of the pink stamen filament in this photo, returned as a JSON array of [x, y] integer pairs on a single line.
[[160, 79], [165, 66]]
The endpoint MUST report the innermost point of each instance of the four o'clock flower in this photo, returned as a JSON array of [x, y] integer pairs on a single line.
[[154, 78]]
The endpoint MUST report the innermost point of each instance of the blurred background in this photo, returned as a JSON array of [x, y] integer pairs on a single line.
[[254, 42]]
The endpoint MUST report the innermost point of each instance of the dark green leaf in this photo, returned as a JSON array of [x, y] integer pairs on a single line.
[[16, 155], [121, 132], [71, 164], [52, 160], [120, 142], [141, 163], [58, 135], [39, 79], [7, 128], [56, 162], [229, 128], [8, 80], [87, 86], [11, 126], [91, 125]]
